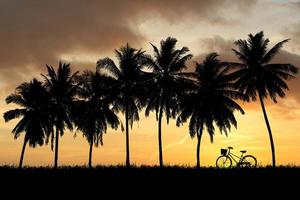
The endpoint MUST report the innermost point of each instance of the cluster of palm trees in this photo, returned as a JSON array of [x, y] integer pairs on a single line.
[[89, 102]]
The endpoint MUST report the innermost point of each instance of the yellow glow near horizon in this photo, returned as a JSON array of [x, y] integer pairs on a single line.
[[178, 147]]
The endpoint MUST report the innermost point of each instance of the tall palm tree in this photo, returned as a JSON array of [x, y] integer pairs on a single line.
[[127, 88], [62, 87], [92, 113], [256, 76], [33, 100], [168, 81], [211, 101]]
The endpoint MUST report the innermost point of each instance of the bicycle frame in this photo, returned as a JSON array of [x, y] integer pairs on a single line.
[[237, 159]]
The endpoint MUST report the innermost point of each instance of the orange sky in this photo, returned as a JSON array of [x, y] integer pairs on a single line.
[[80, 33], [179, 148]]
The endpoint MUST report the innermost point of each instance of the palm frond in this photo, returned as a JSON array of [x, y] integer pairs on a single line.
[[156, 51], [17, 99], [109, 65], [13, 114], [273, 51]]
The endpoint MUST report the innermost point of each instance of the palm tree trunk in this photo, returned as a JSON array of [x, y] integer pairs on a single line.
[[91, 153], [127, 137], [56, 148], [22, 153], [160, 137], [199, 136], [269, 130]]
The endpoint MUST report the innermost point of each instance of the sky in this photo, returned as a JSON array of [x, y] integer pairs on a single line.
[[36, 33]]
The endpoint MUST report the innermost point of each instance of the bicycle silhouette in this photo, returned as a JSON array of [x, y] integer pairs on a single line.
[[226, 158]]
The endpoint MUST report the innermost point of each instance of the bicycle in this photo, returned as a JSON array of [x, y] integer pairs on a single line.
[[226, 158]]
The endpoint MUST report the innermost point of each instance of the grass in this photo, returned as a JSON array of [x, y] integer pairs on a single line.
[[149, 172], [149, 180]]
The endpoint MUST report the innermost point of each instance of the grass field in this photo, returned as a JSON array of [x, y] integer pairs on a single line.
[[150, 180], [146, 172]]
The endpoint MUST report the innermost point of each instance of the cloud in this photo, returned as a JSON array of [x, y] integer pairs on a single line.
[[295, 4], [37, 33], [219, 45], [293, 32], [34, 33], [202, 10]]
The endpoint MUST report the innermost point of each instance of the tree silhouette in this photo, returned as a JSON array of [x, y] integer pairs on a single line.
[[211, 101], [33, 100], [127, 88], [92, 113], [62, 87], [256, 76], [205, 97], [168, 81]]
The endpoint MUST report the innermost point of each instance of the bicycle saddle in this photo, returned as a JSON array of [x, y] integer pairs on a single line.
[[243, 151], [230, 147]]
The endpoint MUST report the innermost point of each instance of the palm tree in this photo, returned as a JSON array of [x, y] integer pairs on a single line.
[[33, 100], [211, 101], [256, 76], [92, 113], [62, 87], [127, 87], [168, 81]]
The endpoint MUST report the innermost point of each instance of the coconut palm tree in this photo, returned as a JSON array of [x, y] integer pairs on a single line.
[[92, 113], [168, 81], [34, 101], [210, 102], [258, 77], [127, 88], [62, 87]]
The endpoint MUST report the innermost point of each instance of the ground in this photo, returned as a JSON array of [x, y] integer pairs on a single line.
[[150, 180]]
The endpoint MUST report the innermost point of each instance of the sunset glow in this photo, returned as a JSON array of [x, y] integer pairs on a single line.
[[40, 33]]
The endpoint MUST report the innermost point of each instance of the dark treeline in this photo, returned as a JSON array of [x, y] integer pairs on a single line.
[[205, 98]]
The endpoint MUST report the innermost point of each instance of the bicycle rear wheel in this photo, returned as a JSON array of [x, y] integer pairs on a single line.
[[223, 162], [248, 161]]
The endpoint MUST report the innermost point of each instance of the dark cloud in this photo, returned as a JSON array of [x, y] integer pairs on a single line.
[[295, 5], [219, 45], [34, 33]]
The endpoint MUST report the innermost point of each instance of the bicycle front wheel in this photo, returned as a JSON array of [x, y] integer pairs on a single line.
[[248, 161], [223, 162]]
